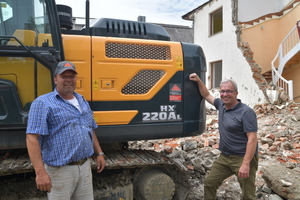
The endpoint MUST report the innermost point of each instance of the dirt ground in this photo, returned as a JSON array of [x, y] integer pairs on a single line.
[[21, 186]]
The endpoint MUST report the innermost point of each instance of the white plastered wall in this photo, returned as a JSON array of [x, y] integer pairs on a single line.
[[250, 10], [223, 46]]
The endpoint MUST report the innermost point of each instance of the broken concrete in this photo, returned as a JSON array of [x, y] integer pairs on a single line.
[[283, 180]]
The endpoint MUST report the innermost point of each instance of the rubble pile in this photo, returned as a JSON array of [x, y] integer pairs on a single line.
[[278, 176]]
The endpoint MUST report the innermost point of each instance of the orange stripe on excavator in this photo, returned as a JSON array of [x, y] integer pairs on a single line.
[[114, 117]]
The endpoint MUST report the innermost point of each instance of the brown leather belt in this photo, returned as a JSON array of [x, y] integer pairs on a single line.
[[80, 162]]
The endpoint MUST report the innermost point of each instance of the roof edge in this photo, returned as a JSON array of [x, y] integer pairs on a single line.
[[188, 15]]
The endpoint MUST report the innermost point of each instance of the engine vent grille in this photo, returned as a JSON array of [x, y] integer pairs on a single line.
[[137, 51], [143, 81]]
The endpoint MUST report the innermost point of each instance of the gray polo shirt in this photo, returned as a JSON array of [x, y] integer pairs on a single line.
[[234, 123]]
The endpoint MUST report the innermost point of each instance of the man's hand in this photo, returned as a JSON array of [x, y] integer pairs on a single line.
[[244, 171], [100, 163], [194, 77], [202, 88], [43, 182]]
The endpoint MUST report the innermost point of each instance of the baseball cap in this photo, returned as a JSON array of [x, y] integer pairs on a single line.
[[63, 66]]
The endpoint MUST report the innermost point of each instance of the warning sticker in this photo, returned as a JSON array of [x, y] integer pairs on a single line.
[[179, 63], [95, 84], [175, 93]]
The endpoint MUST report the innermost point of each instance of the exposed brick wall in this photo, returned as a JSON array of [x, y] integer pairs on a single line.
[[248, 53], [255, 68]]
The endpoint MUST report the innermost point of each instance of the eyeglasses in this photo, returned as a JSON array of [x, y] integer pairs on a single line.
[[227, 91]]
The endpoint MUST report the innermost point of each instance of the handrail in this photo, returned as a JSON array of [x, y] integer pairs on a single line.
[[286, 85], [289, 46]]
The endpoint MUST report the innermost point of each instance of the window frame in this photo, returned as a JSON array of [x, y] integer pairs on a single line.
[[213, 70], [216, 21]]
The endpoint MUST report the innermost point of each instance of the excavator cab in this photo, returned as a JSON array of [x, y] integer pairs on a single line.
[[29, 52]]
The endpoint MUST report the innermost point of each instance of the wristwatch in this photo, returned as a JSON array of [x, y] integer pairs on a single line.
[[100, 154]]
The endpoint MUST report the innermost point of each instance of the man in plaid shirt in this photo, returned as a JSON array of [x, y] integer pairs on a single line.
[[61, 139]]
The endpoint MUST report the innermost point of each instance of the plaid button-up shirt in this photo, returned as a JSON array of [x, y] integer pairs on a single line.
[[65, 133]]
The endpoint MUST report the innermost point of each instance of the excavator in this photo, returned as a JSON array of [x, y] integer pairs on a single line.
[[135, 79]]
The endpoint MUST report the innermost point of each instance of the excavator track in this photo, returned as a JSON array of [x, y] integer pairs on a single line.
[[16, 162], [152, 175], [134, 158]]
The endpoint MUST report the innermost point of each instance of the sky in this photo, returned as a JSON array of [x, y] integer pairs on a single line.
[[156, 11]]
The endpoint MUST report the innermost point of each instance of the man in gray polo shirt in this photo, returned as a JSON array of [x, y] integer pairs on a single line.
[[238, 140]]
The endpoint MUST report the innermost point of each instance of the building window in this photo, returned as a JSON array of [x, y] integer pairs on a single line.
[[216, 21], [215, 74]]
